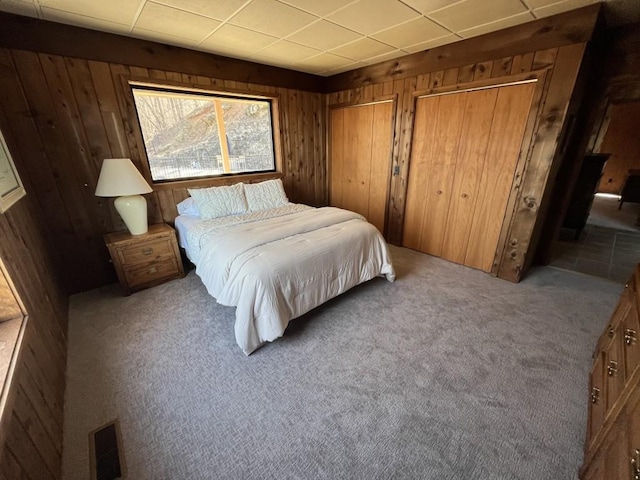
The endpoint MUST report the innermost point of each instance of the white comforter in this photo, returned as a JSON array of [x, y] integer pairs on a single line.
[[276, 269]]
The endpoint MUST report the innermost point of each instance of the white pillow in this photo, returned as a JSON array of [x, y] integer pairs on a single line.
[[265, 195], [217, 202], [188, 207]]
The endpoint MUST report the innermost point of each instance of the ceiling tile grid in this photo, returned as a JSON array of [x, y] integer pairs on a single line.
[[320, 37]]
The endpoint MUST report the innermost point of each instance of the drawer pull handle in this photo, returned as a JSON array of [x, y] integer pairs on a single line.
[[610, 332], [629, 337], [635, 465], [147, 251], [595, 395], [152, 270], [612, 368]]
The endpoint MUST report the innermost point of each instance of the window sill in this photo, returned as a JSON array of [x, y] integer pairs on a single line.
[[216, 181]]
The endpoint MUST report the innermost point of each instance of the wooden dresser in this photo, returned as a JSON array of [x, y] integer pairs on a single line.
[[612, 448], [142, 261]]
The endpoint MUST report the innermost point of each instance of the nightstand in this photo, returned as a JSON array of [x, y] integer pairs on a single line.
[[142, 261]]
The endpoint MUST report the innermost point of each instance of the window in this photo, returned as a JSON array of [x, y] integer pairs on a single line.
[[194, 134]]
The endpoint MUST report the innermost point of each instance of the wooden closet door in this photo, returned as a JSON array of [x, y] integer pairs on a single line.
[[360, 159], [507, 131], [464, 152], [433, 159], [474, 138]]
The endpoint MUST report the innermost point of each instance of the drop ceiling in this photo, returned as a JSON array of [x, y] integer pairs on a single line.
[[322, 37]]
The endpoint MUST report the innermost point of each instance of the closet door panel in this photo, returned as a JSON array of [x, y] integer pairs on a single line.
[[474, 138], [358, 123], [361, 138], [337, 156], [438, 191], [422, 153], [380, 163], [509, 122]]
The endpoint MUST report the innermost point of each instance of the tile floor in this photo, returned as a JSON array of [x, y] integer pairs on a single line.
[[600, 251]]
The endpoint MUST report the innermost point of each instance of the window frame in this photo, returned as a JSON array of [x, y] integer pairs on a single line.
[[137, 146]]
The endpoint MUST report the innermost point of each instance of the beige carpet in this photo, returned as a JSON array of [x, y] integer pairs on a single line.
[[448, 373]]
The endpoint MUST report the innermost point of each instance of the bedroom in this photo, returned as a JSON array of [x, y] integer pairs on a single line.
[[61, 222]]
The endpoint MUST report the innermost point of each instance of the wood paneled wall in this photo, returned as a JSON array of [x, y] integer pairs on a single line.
[[32, 425], [71, 113], [621, 140], [561, 65]]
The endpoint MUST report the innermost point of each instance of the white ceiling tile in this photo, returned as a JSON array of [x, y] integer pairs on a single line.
[[238, 38], [178, 23], [82, 21], [290, 51], [533, 4], [361, 49], [218, 9], [325, 61], [384, 57], [322, 8], [427, 6], [560, 7], [346, 68], [117, 11], [323, 35], [471, 13], [410, 33], [438, 42], [272, 17], [163, 38], [370, 16], [19, 7], [499, 25]]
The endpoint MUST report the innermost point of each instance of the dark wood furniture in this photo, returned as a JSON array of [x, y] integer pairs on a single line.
[[142, 261], [612, 447], [584, 191], [631, 188]]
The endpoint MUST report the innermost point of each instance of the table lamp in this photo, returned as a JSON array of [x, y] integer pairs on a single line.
[[120, 178]]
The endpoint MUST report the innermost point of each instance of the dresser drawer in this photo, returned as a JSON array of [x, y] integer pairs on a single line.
[[146, 251], [147, 274]]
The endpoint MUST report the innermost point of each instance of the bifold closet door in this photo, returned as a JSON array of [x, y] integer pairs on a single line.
[[360, 159], [464, 152]]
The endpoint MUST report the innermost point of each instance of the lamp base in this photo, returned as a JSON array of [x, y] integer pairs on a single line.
[[133, 210]]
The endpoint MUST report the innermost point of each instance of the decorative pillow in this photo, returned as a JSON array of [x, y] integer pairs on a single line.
[[265, 195], [188, 207], [217, 202]]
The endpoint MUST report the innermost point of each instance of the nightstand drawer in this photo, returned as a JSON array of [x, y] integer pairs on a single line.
[[145, 252], [148, 274]]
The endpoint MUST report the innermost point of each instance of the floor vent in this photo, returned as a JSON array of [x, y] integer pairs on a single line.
[[105, 446]]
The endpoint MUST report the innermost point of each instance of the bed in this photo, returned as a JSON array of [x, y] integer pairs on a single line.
[[274, 260]]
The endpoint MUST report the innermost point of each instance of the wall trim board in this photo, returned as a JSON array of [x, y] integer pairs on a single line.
[[26, 33], [567, 28]]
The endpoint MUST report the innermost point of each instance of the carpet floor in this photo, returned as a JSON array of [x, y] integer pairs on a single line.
[[448, 373]]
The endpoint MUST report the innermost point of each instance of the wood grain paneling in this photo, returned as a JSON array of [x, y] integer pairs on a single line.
[[73, 113], [32, 425], [621, 140]]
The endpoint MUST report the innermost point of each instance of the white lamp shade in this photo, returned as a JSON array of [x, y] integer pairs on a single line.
[[119, 177]]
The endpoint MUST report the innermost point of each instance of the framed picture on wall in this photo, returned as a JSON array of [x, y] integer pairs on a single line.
[[11, 189]]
